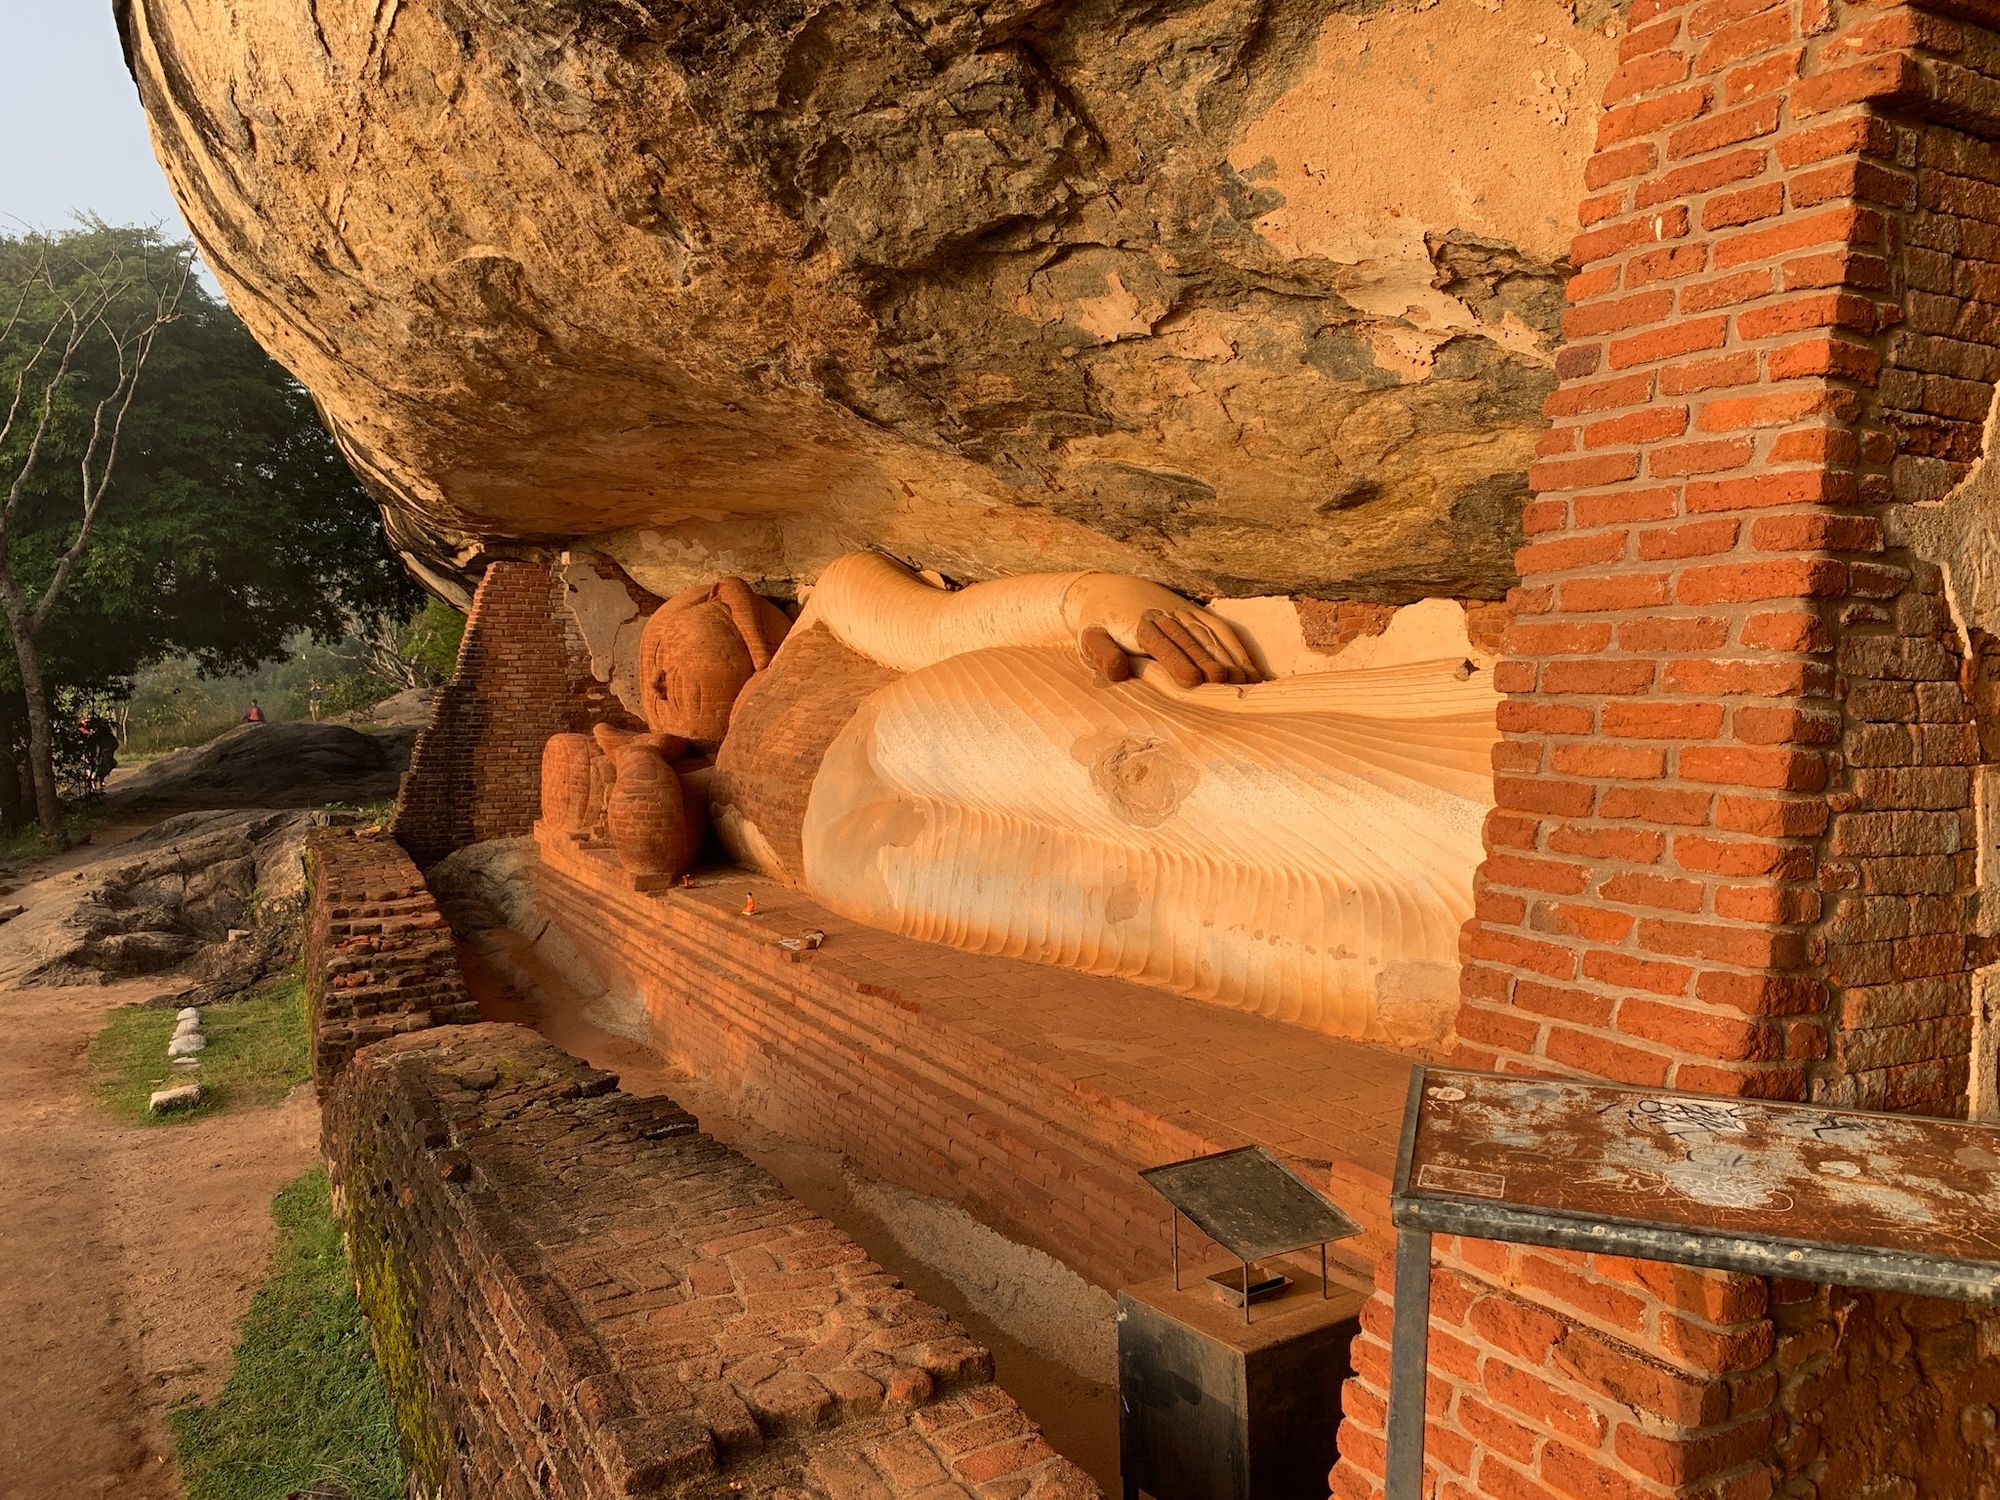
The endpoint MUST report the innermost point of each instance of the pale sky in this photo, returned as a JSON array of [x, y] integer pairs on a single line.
[[72, 135]]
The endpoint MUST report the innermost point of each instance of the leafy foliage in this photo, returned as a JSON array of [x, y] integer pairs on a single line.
[[173, 703], [431, 643], [234, 521], [231, 522]]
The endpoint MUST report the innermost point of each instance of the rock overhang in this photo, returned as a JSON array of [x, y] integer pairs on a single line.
[[1250, 298]]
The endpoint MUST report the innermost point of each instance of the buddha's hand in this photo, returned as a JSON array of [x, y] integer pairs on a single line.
[[1115, 618]]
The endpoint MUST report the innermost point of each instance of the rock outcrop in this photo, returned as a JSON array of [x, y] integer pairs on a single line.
[[295, 764], [214, 895], [1247, 296]]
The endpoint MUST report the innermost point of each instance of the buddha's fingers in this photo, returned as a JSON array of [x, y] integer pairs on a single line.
[[1164, 649], [1104, 654], [1196, 624], [1227, 645], [1205, 659]]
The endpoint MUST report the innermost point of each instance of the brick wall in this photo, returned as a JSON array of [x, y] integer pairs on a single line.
[[523, 674], [1734, 845], [379, 959], [572, 1292], [1029, 1095]]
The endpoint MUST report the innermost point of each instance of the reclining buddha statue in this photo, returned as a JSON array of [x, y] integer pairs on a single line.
[[1086, 770]]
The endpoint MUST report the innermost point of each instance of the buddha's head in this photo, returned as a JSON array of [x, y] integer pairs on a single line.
[[699, 651]]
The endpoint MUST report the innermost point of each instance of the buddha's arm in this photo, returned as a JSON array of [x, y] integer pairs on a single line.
[[882, 610]]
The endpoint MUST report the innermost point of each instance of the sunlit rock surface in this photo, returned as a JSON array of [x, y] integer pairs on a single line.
[[1247, 296]]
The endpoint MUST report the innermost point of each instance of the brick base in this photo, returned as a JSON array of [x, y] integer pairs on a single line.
[[379, 959], [1029, 1095], [572, 1292]]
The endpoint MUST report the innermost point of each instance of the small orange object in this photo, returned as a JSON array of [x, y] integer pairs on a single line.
[[750, 904]]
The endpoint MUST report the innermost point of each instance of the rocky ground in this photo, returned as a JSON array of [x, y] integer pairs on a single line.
[[211, 897], [127, 1253]]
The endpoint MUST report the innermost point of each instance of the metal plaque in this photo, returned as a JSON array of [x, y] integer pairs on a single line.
[[1898, 1202], [1250, 1203]]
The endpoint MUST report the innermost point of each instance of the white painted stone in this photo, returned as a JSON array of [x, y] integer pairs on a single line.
[[186, 1046], [167, 1101], [187, 1013]]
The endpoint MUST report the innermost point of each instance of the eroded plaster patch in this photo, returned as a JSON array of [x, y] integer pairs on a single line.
[[610, 623]]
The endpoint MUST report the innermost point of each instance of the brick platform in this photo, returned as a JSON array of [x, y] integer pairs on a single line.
[[1026, 1094], [379, 959], [573, 1292]]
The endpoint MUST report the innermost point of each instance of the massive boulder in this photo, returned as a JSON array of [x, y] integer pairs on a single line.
[[1250, 296], [273, 765]]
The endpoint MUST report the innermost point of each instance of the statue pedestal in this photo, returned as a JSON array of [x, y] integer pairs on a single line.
[[1029, 1096], [610, 870]]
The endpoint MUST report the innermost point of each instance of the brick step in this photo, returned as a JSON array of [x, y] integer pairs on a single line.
[[1028, 1093], [1038, 1074], [1034, 1107], [1025, 1107], [1032, 1175], [1016, 1141], [860, 1105]]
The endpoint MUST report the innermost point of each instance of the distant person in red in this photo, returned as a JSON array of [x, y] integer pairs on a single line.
[[255, 714]]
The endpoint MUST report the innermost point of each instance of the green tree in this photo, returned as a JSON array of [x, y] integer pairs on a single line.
[[77, 338], [201, 509]]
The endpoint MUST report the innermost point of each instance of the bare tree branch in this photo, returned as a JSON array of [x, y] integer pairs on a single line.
[[133, 350], [82, 310]]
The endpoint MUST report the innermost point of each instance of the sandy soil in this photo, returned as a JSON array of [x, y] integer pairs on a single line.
[[1052, 1333], [127, 1254]]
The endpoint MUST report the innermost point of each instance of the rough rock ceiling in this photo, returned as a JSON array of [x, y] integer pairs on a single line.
[[1251, 296]]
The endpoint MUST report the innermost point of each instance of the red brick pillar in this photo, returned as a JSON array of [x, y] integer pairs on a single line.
[[1734, 843], [523, 674]]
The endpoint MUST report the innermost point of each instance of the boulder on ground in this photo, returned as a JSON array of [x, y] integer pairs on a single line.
[[408, 709], [272, 765], [168, 899]]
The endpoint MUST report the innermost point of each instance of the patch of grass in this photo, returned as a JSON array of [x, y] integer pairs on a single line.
[[304, 1407], [258, 1049], [376, 813]]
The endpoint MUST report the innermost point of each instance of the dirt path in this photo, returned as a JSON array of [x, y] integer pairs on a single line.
[[126, 1253]]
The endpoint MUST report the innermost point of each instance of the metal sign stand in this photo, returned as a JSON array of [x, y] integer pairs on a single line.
[[1246, 1268], [1252, 1205], [1216, 1407], [1692, 1179]]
